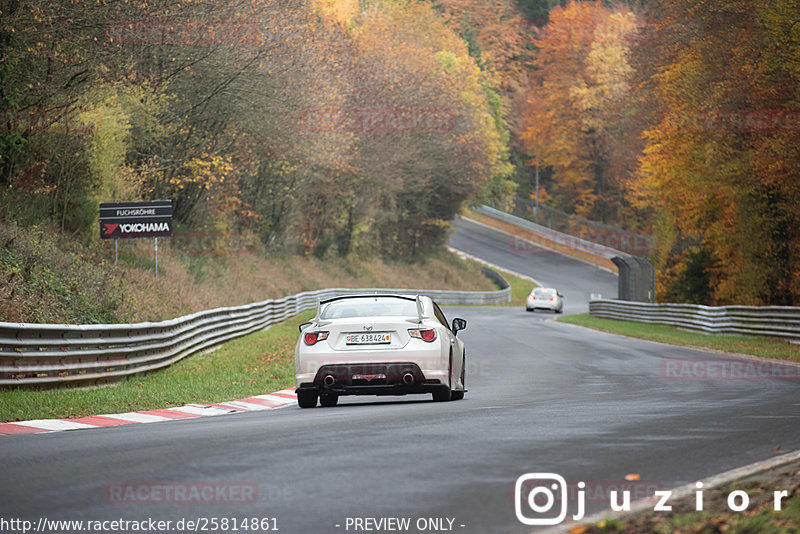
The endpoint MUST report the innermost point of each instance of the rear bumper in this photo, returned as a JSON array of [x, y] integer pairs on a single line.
[[372, 379], [542, 305]]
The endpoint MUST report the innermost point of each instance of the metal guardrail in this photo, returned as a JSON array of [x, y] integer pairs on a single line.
[[594, 231], [50, 355], [636, 273], [773, 321], [555, 236]]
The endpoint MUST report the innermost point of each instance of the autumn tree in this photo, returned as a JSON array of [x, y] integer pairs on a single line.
[[577, 114], [289, 118], [721, 163], [424, 141]]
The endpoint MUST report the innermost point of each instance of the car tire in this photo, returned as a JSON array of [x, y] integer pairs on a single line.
[[442, 394], [307, 399], [445, 393], [328, 400], [458, 395]]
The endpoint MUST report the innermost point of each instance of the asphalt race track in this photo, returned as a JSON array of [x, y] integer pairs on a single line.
[[575, 279], [543, 397]]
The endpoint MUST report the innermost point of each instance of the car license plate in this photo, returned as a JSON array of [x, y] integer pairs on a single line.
[[369, 339]]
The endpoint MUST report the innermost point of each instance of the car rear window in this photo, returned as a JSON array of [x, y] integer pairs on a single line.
[[541, 292], [370, 307]]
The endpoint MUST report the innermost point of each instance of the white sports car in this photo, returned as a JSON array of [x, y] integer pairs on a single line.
[[378, 345]]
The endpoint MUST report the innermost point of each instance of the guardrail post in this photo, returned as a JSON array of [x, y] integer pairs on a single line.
[[624, 285], [646, 292], [636, 278]]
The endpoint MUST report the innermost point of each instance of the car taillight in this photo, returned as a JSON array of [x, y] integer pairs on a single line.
[[423, 334], [553, 298], [311, 338]]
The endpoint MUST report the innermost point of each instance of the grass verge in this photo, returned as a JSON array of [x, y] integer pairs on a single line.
[[520, 288], [755, 346], [253, 365]]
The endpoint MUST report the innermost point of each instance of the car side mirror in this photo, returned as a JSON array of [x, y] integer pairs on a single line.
[[304, 326], [560, 295], [458, 324]]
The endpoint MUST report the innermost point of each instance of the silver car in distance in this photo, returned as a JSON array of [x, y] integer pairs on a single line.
[[545, 298], [378, 345]]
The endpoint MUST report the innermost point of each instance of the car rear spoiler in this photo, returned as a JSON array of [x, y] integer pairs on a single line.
[[316, 320], [420, 310]]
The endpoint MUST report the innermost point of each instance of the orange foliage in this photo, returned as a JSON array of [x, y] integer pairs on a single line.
[[575, 120], [725, 185]]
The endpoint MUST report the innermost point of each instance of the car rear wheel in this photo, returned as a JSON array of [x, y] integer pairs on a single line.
[[328, 400], [307, 399], [445, 393], [458, 395]]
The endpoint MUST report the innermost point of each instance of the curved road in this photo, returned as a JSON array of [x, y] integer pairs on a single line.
[[575, 279], [543, 397]]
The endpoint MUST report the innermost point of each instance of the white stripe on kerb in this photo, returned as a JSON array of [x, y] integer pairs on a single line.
[[135, 417], [54, 424], [282, 400], [249, 406], [196, 409]]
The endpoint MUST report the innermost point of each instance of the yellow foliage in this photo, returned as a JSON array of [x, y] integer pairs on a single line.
[[340, 11]]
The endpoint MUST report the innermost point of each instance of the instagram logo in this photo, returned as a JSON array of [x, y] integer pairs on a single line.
[[538, 492]]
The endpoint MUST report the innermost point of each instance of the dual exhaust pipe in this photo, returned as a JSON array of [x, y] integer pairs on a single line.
[[330, 380]]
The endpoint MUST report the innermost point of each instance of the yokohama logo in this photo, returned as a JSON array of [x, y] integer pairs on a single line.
[[137, 228], [144, 227]]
